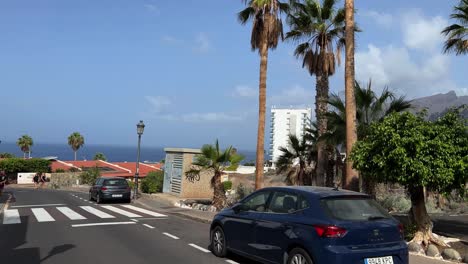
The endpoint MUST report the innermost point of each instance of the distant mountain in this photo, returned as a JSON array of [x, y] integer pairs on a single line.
[[439, 104]]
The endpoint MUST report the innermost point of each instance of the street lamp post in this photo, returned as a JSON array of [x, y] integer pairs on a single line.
[[140, 129]]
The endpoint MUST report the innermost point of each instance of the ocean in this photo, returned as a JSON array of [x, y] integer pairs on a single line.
[[87, 152]]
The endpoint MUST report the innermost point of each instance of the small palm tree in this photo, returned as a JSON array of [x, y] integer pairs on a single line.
[[457, 34], [369, 108], [297, 158], [100, 156], [267, 29], [215, 161], [25, 143], [319, 30], [76, 141]]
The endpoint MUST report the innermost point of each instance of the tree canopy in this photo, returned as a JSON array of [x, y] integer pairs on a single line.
[[406, 149]]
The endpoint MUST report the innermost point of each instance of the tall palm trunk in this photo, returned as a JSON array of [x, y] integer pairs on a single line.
[[321, 107], [262, 106], [24, 154], [219, 196], [351, 181], [75, 154]]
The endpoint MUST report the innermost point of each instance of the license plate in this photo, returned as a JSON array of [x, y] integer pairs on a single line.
[[381, 260], [116, 195]]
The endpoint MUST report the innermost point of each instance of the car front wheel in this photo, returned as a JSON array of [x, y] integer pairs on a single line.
[[299, 256], [218, 242]]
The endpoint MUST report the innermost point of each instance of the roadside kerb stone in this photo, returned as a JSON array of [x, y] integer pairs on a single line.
[[432, 251], [451, 254], [416, 248]]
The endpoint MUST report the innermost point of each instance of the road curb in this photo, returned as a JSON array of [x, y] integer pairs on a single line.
[[4, 206], [182, 215]]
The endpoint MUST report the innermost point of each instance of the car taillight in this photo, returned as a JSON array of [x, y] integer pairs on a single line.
[[103, 188], [330, 231], [401, 228]]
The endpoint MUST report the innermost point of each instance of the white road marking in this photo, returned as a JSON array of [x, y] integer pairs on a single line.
[[171, 236], [35, 205], [199, 248], [11, 217], [42, 215], [231, 261], [134, 220], [70, 213], [103, 224], [96, 212], [120, 211], [141, 210], [148, 226]]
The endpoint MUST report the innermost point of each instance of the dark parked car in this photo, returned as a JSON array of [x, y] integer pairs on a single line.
[[305, 225], [106, 188]]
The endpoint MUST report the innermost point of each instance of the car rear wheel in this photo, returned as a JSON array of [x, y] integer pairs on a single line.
[[218, 242], [299, 256], [90, 196]]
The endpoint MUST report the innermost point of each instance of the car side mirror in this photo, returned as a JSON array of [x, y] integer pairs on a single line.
[[239, 207]]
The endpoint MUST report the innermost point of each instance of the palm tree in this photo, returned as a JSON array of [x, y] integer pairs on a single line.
[[76, 141], [267, 29], [100, 156], [25, 143], [319, 28], [457, 34], [351, 179], [297, 158], [369, 108], [215, 161]]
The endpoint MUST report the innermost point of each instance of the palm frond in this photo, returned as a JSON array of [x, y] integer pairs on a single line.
[[328, 8], [245, 15]]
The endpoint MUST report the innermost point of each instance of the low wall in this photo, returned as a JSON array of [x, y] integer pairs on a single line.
[[66, 179]]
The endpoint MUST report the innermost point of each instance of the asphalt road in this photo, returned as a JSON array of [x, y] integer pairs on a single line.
[[47, 226]]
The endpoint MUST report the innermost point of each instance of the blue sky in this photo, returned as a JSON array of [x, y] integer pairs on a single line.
[[186, 69]]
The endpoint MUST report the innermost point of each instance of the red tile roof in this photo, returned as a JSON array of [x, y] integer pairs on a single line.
[[108, 169]]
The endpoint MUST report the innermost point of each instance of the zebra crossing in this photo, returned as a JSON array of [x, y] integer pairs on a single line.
[[77, 213]]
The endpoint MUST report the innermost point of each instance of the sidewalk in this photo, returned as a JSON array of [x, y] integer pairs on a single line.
[[165, 203]]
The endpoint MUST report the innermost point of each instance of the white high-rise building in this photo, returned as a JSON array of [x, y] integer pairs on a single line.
[[285, 122]]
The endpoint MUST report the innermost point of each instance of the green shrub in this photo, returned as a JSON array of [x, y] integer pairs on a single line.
[[90, 176], [59, 171], [242, 191], [131, 184], [14, 165], [396, 203], [227, 185], [153, 182]]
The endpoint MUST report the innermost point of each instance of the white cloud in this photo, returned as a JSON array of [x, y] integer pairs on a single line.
[[171, 40], [245, 91], [395, 67], [211, 117], [422, 33], [382, 19], [158, 103], [202, 43], [295, 96], [152, 8]]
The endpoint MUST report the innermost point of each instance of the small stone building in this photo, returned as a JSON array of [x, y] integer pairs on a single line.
[[178, 161]]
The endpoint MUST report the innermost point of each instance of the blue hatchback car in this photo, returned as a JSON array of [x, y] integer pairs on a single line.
[[305, 225]]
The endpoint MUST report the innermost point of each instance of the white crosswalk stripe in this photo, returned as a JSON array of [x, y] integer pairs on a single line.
[[96, 212], [70, 213], [47, 214], [141, 210], [42, 215], [11, 217], [120, 211]]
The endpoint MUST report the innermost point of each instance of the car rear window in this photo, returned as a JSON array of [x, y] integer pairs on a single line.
[[353, 209], [117, 182]]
